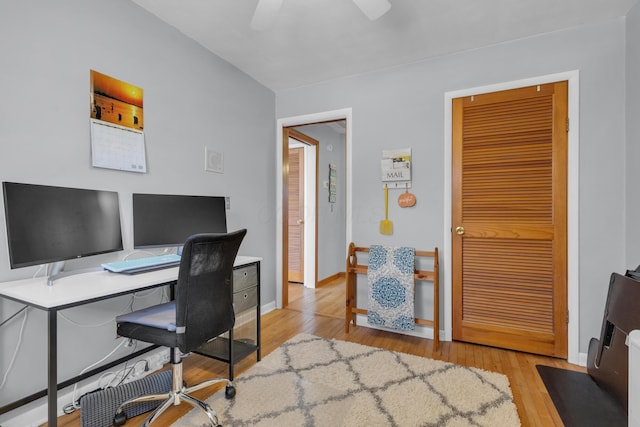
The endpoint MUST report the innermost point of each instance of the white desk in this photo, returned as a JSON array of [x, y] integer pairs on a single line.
[[80, 289]]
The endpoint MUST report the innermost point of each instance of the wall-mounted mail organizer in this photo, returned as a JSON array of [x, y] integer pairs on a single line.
[[353, 269], [396, 168]]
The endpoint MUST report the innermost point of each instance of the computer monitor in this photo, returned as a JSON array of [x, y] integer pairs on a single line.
[[47, 224], [163, 220]]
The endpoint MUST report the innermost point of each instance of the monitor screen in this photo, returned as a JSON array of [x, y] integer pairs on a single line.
[[49, 224], [161, 220]]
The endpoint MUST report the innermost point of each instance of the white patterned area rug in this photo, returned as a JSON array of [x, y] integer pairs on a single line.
[[312, 381]]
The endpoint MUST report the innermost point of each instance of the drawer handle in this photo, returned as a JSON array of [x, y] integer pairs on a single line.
[[246, 296], [245, 274]]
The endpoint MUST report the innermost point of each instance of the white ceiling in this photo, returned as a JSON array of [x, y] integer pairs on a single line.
[[318, 40]]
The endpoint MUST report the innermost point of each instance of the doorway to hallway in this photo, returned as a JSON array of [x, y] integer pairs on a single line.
[[328, 212], [302, 211]]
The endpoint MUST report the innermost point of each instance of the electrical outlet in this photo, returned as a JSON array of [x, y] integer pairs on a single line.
[[140, 368], [158, 360]]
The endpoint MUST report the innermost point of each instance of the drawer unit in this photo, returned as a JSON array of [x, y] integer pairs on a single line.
[[245, 277], [245, 299], [246, 332]]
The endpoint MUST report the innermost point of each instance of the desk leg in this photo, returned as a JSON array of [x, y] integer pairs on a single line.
[[52, 390]]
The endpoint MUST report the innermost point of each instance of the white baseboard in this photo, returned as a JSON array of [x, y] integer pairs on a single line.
[[421, 331], [264, 309], [634, 378], [582, 359]]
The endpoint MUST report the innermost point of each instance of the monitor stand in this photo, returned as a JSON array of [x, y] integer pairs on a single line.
[[55, 271]]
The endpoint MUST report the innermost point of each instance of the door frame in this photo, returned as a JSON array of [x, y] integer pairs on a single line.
[[310, 229], [326, 116], [573, 290]]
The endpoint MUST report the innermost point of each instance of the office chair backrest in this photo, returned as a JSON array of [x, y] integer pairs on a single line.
[[204, 293]]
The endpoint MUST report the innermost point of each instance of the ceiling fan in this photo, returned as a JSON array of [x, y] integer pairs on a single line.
[[267, 10]]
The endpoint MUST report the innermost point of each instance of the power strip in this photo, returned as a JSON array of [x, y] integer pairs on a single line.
[[155, 362]]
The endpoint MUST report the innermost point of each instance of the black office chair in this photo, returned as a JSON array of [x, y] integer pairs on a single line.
[[201, 311]]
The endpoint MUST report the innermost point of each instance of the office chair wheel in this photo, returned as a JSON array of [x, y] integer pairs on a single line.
[[119, 418], [229, 392]]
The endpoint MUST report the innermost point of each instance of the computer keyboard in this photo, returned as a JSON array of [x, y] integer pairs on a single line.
[[140, 265]]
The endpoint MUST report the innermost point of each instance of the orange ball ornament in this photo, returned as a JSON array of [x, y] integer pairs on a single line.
[[406, 200]]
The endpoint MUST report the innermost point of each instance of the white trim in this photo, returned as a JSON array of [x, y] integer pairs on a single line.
[[310, 190], [582, 359], [573, 289], [420, 331], [267, 308], [310, 220], [342, 114], [634, 380]]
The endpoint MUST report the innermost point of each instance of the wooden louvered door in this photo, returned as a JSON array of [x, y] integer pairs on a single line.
[[296, 215], [509, 218]]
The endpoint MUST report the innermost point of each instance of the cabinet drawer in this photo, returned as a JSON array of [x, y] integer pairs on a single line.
[[245, 299], [245, 277]]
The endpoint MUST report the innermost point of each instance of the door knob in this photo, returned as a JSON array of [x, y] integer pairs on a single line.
[[300, 221], [459, 231]]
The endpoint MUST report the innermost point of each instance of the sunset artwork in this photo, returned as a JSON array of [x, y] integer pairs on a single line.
[[116, 102]]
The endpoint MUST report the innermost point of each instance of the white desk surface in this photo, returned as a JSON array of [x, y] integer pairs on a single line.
[[89, 285]]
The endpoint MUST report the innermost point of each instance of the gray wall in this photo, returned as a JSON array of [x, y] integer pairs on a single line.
[[633, 137], [404, 107], [192, 99]]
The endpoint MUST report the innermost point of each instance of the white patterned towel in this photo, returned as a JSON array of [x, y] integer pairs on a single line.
[[391, 284]]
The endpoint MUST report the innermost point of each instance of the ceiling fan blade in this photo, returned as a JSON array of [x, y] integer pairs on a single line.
[[265, 14], [374, 9]]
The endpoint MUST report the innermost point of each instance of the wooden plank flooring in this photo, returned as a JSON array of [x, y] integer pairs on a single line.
[[321, 312]]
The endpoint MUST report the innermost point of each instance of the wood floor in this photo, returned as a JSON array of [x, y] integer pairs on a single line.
[[321, 312]]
